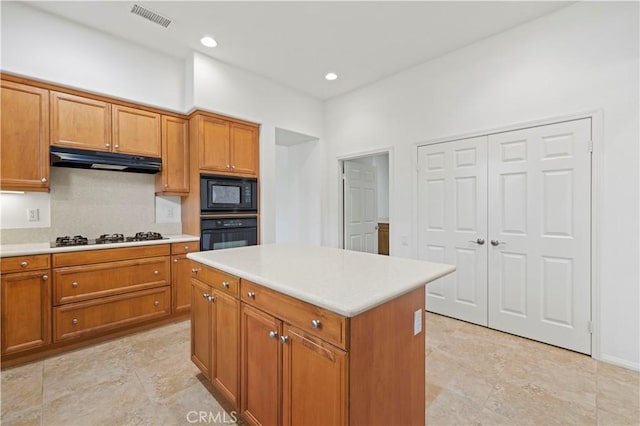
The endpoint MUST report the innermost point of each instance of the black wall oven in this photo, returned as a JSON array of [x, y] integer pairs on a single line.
[[221, 233], [224, 194]]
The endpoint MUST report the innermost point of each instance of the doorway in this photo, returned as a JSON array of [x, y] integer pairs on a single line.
[[365, 203]]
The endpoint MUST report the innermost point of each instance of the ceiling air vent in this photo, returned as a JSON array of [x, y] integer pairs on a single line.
[[150, 15]]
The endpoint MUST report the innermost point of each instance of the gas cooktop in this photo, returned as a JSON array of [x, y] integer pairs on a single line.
[[79, 240]]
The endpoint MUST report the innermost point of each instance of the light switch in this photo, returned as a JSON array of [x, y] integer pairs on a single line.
[[33, 215], [417, 322]]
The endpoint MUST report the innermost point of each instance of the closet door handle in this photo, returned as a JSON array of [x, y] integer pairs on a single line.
[[479, 241], [496, 243]]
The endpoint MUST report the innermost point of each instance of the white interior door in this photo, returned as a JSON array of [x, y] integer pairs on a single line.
[[360, 207], [452, 223], [539, 227]]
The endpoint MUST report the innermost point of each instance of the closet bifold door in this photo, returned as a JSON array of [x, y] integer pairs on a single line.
[[452, 225], [539, 239]]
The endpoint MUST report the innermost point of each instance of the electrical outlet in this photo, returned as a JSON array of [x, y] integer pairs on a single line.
[[33, 215], [404, 240]]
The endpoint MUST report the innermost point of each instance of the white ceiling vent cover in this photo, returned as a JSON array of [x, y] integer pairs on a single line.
[[150, 15]]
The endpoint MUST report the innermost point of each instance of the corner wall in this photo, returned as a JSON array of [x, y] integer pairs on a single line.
[[583, 57]]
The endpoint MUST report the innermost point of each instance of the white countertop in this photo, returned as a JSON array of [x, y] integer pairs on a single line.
[[342, 281], [8, 250]]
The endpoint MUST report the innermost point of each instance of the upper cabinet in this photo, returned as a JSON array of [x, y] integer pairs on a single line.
[[24, 135], [85, 123], [78, 122], [136, 131], [226, 147], [174, 179]]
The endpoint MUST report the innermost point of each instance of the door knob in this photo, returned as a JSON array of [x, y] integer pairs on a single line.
[[496, 243], [479, 241]]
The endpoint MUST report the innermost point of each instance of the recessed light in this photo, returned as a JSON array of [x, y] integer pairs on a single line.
[[208, 41], [331, 76]]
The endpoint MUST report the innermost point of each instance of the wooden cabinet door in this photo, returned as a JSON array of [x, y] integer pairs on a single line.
[[136, 132], [261, 367], [201, 321], [26, 311], [174, 179], [181, 283], [314, 380], [24, 138], [78, 122], [213, 145], [244, 149], [226, 346]]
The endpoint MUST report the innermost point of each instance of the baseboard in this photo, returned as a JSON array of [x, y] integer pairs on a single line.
[[620, 362]]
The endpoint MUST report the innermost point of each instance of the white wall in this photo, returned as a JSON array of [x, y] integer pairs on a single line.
[[42, 46], [582, 57]]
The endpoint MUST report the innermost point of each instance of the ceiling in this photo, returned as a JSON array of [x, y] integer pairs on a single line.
[[297, 43]]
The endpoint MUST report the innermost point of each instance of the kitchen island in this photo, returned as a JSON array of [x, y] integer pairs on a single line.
[[293, 334]]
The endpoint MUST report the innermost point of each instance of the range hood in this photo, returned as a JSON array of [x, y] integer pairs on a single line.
[[85, 159]]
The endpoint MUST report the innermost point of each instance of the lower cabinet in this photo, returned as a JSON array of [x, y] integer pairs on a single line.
[[181, 275], [26, 311], [215, 344]]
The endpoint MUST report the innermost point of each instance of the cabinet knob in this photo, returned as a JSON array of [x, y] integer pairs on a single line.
[[156, 303], [195, 270], [116, 146], [205, 295], [315, 323], [225, 284], [284, 339], [74, 321], [156, 272], [175, 260], [166, 185], [228, 166], [273, 334], [107, 145], [251, 295], [45, 277], [211, 298], [74, 284], [186, 247], [43, 180], [23, 264], [233, 167]]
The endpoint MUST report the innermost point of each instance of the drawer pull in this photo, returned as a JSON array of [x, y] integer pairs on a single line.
[[186, 247], [251, 295], [45, 277], [315, 323], [23, 264], [273, 334], [175, 260], [156, 272], [284, 339], [74, 284], [225, 284], [195, 270], [156, 303], [74, 321]]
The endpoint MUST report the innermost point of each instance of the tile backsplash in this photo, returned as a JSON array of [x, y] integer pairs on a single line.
[[90, 203]]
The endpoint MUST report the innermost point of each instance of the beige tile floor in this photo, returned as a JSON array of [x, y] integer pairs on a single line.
[[474, 376]]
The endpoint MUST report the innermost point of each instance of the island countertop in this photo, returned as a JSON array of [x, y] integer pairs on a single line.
[[342, 281]]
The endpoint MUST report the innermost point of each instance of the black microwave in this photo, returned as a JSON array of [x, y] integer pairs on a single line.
[[228, 194]]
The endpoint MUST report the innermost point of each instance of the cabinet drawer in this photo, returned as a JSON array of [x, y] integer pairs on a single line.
[[108, 255], [219, 280], [25, 263], [95, 316], [331, 327], [182, 248], [77, 283]]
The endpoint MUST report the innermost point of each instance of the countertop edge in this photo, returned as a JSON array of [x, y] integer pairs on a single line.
[[349, 311], [27, 249]]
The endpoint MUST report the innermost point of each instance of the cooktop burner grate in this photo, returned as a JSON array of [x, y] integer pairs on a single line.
[[79, 240]]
